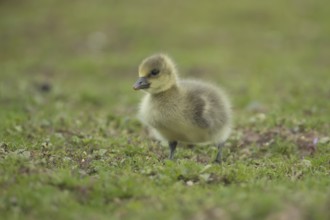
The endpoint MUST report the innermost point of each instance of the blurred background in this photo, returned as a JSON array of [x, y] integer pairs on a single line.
[[271, 52], [69, 139]]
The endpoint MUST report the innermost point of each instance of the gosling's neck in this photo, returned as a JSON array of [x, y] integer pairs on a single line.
[[171, 91]]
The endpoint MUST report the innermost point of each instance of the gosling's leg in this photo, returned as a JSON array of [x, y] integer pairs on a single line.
[[218, 159], [172, 145]]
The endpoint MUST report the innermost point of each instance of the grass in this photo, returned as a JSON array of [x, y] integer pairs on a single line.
[[72, 148]]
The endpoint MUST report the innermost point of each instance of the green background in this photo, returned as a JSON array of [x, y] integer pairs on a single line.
[[72, 148]]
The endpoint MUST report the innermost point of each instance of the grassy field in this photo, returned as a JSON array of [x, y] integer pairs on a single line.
[[72, 148]]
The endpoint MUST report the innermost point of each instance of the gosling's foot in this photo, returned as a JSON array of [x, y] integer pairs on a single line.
[[218, 158], [172, 146]]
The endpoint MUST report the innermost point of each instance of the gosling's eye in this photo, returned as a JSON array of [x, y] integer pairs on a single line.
[[154, 72]]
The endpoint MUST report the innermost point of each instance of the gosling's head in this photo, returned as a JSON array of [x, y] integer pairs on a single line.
[[157, 73]]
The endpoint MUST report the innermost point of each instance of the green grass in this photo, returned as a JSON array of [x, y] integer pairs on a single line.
[[78, 152]]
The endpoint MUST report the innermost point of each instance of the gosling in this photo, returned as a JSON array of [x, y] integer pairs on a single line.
[[177, 110]]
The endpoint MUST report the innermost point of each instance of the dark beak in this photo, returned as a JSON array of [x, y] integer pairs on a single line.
[[141, 83]]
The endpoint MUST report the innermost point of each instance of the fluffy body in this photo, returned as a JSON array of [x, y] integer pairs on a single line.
[[192, 112]]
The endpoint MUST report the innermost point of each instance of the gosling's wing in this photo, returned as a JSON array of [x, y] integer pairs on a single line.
[[197, 108], [207, 105]]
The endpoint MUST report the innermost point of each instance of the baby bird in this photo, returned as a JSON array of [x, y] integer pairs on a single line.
[[178, 110]]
